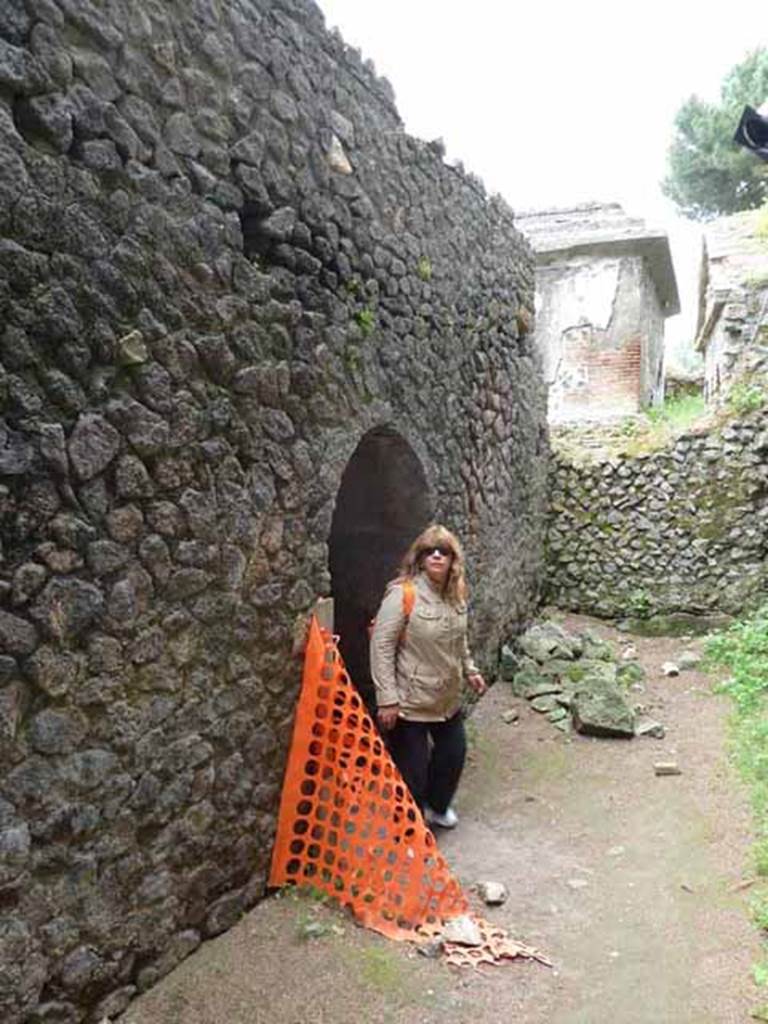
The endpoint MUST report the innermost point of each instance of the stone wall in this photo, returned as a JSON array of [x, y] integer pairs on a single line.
[[678, 530], [222, 263], [733, 304]]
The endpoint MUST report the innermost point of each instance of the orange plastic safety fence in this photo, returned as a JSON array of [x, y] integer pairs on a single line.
[[348, 825]]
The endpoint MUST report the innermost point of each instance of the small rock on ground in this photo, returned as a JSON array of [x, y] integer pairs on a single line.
[[667, 768], [492, 893]]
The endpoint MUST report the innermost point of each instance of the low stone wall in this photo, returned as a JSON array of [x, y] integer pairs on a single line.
[[683, 529]]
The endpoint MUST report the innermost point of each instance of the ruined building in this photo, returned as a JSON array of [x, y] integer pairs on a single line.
[[732, 330], [252, 338], [605, 284]]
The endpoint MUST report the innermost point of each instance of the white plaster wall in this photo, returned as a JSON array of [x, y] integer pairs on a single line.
[[715, 370], [599, 336], [574, 294]]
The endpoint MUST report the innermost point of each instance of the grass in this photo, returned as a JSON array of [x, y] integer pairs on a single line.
[[756, 280], [678, 413], [661, 424], [648, 431], [312, 922], [380, 967], [743, 651], [761, 225]]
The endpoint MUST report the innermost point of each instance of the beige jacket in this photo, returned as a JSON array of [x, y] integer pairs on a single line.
[[421, 668]]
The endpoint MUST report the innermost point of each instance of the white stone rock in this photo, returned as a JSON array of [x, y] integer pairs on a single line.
[[337, 158], [669, 668], [492, 893], [650, 728], [667, 768], [463, 930], [688, 660]]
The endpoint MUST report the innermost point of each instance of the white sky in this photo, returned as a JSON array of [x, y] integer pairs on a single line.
[[555, 102]]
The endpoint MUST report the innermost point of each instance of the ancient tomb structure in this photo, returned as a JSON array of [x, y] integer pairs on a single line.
[[605, 284], [733, 303], [252, 337]]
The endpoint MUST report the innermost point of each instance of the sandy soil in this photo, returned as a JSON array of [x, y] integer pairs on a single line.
[[635, 885]]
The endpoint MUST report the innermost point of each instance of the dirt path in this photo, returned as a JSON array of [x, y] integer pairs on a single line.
[[631, 883]]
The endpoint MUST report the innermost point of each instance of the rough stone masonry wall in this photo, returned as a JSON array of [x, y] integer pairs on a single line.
[[221, 263], [684, 529]]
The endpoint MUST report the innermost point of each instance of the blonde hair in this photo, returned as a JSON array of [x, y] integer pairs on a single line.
[[455, 588]]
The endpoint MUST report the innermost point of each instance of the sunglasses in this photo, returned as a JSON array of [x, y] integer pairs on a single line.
[[438, 549]]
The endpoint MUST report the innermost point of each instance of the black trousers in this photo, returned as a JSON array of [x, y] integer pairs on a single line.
[[431, 775]]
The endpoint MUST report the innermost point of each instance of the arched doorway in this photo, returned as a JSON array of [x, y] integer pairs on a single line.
[[383, 503]]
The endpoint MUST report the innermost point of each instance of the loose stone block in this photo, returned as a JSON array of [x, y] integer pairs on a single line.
[[667, 768]]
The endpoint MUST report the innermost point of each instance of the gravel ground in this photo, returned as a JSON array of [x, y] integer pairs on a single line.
[[634, 885]]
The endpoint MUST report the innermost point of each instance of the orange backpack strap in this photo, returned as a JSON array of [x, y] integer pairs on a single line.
[[409, 599]]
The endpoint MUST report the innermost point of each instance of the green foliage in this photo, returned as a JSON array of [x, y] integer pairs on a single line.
[[661, 424], [760, 974], [708, 174], [365, 320], [424, 269], [757, 281], [638, 603], [746, 396], [678, 413], [759, 909], [630, 672], [311, 893], [761, 225], [760, 857], [743, 650], [381, 969], [309, 923]]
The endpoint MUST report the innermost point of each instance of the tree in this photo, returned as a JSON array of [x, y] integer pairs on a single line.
[[708, 174]]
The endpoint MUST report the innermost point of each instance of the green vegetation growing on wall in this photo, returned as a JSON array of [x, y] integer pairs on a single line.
[[746, 395], [761, 227], [424, 269], [645, 432], [365, 320]]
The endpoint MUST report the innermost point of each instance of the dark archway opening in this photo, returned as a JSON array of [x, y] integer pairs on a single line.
[[382, 505]]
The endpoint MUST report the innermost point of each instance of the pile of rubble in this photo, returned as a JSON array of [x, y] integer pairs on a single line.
[[576, 681]]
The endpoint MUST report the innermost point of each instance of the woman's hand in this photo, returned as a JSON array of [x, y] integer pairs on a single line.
[[477, 683], [388, 715]]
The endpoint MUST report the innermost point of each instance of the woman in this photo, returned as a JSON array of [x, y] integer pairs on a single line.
[[419, 658]]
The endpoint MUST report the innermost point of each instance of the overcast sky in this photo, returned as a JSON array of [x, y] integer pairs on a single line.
[[554, 102]]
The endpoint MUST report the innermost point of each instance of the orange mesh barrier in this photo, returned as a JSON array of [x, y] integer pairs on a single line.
[[495, 948], [347, 823]]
